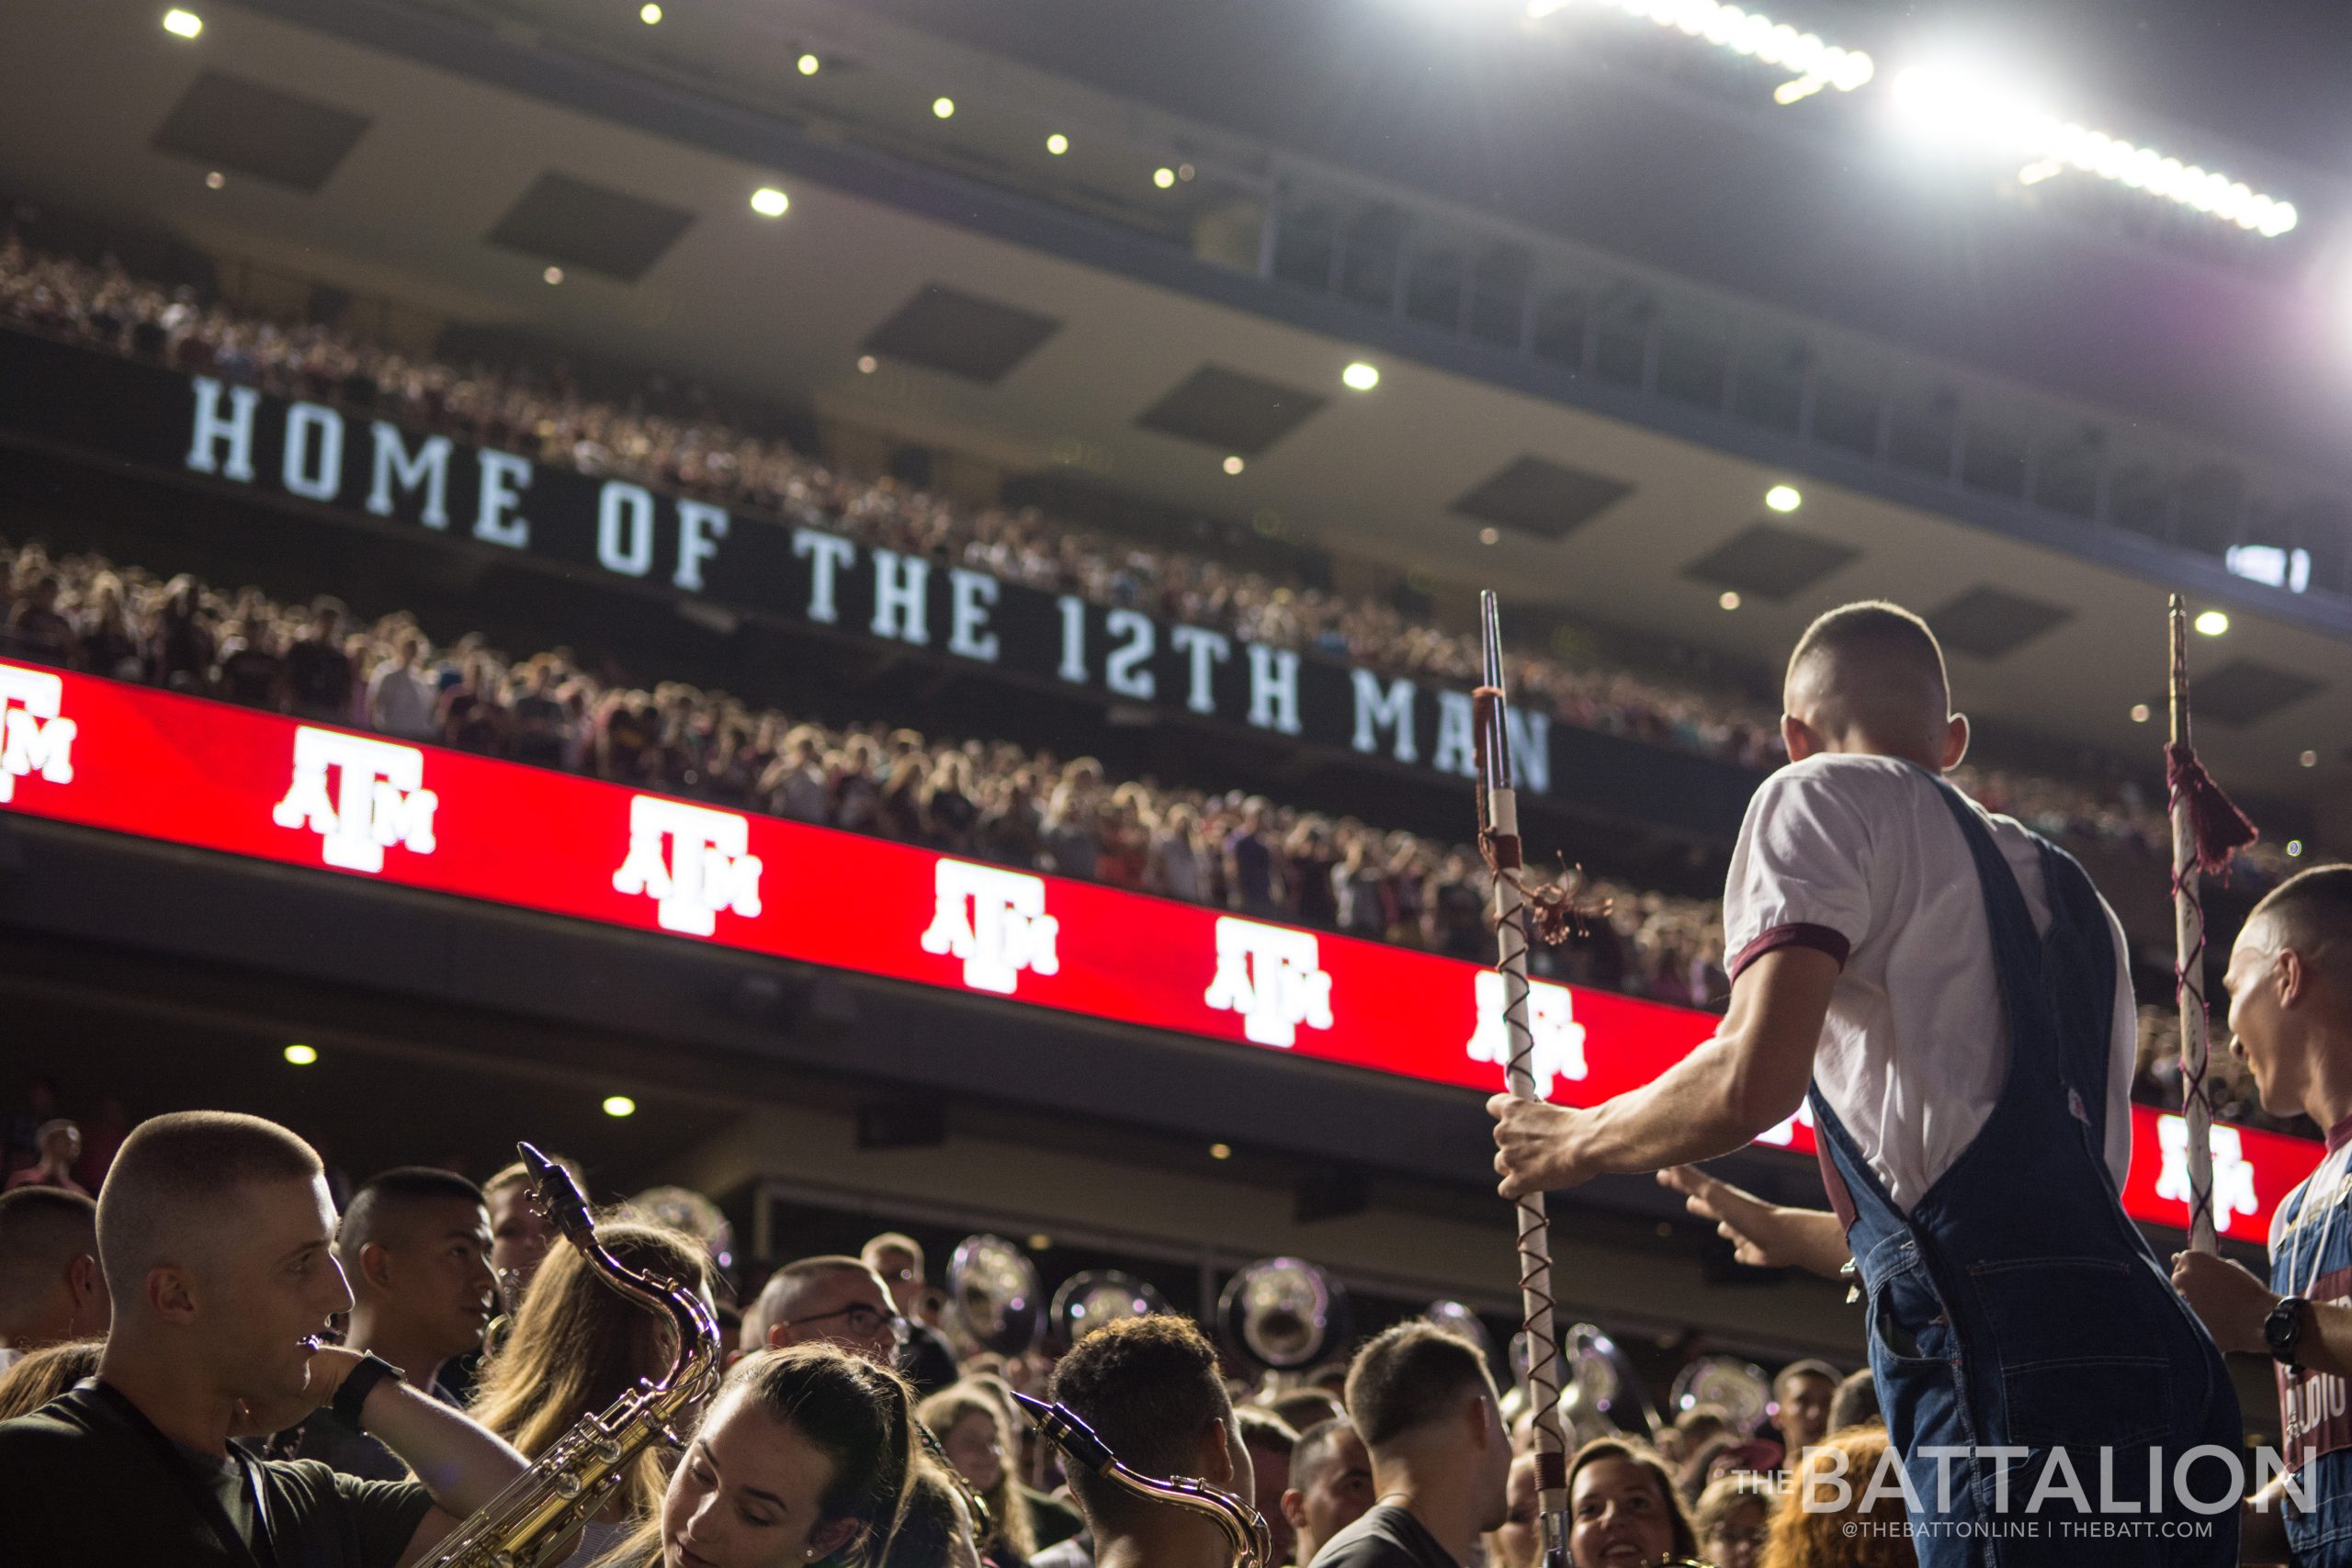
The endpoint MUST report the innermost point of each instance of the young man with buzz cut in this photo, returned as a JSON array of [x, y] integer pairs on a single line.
[[1953, 999], [51, 1288], [1150, 1389], [414, 1244], [1330, 1486], [1425, 1404], [216, 1234], [2290, 983]]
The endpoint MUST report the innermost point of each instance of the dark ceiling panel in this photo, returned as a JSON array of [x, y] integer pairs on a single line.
[[2243, 691], [1238, 415], [590, 227], [962, 334], [1990, 622], [225, 122], [1770, 561], [1542, 498]]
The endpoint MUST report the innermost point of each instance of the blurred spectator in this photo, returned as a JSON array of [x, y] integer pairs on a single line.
[[972, 1429], [1812, 1528], [936, 1529], [58, 1145], [1733, 1519], [50, 1285], [926, 1361], [1801, 1396], [1270, 1439], [1856, 1403]]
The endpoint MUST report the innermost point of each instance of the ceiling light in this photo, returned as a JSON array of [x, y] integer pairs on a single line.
[[302, 1056], [1163, 177], [1040, 1242], [867, 365], [2295, 848], [1233, 465], [186, 24], [1490, 536], [553, 275], [770, 202], [619, 1105], [648, 13], [944, 107], [810, 64], [1728, 598], [215, 180], [2309, 759], [1058, 144], [2213, 623], [1814, 65], [2141, 713], [1976, 108], [1184, 171], [1220, 1151], [1360, 377], [1783, 498]]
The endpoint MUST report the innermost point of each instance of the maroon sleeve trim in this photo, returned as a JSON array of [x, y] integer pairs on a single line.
[[1821, 938]]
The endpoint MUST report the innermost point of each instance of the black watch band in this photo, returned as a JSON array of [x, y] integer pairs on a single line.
[[360, 1382], [2282, 1331]]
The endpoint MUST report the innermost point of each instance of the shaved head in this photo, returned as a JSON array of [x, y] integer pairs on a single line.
[[50, 1288], [175, 1188], [1870, 677], [2311, 914]]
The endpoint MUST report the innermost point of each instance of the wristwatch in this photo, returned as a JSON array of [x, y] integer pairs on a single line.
[[2282, 1331], [356, 1385]]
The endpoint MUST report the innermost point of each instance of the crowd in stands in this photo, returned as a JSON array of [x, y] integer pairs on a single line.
[[990, 800], [683, 439], [456, 1336]]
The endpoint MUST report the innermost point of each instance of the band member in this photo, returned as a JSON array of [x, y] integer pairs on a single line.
[[578, 1345], [2290, 982], [415, 1246], [805, 1456], [216, 1233], [51, 1288], [1623, 1507], [1430, 1416], [826, 1301], [1330, 1486], [1957, 996], [1150, 1389], [927, 1361], [520, 1236]]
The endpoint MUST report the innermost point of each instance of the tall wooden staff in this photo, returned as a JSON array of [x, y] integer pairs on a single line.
[[1498, 837], [2206, 830]]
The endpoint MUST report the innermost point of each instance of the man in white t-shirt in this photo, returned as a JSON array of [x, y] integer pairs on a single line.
[[1954, 996]]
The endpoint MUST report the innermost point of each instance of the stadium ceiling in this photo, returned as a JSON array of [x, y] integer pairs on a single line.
[[439, 202]]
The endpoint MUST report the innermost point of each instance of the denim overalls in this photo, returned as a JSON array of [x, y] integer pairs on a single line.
[[2017, 1304], [2311, 1255]]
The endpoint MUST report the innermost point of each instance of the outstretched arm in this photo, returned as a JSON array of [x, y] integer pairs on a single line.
[[1763, 1235], [1751, 1076]]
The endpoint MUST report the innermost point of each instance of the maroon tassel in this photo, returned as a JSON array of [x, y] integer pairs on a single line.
[[2220, 828]]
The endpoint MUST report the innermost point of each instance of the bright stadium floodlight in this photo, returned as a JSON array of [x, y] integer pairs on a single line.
[[770, 202], [1974, 108], [182, 24], [1813, 62]]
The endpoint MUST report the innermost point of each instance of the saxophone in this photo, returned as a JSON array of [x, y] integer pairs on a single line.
[[1245, 1529], [538, 1512]]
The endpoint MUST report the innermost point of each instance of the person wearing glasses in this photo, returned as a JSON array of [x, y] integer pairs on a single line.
[[832, 1300], [926, 1361]]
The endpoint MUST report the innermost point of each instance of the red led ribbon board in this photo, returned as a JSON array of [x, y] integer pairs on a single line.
[[132, 760]]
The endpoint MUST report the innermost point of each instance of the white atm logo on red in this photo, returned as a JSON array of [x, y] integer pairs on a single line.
[[36, 739]]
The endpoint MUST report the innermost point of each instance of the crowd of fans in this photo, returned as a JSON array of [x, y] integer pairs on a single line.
[[990, 800], [475, 1338], [682, 438]]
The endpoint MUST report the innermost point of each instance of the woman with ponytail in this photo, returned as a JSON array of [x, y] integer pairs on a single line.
[[804, 1457]]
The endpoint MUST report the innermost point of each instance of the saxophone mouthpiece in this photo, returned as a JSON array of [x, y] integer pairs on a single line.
[[1073, 1437], [559, 1197]]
